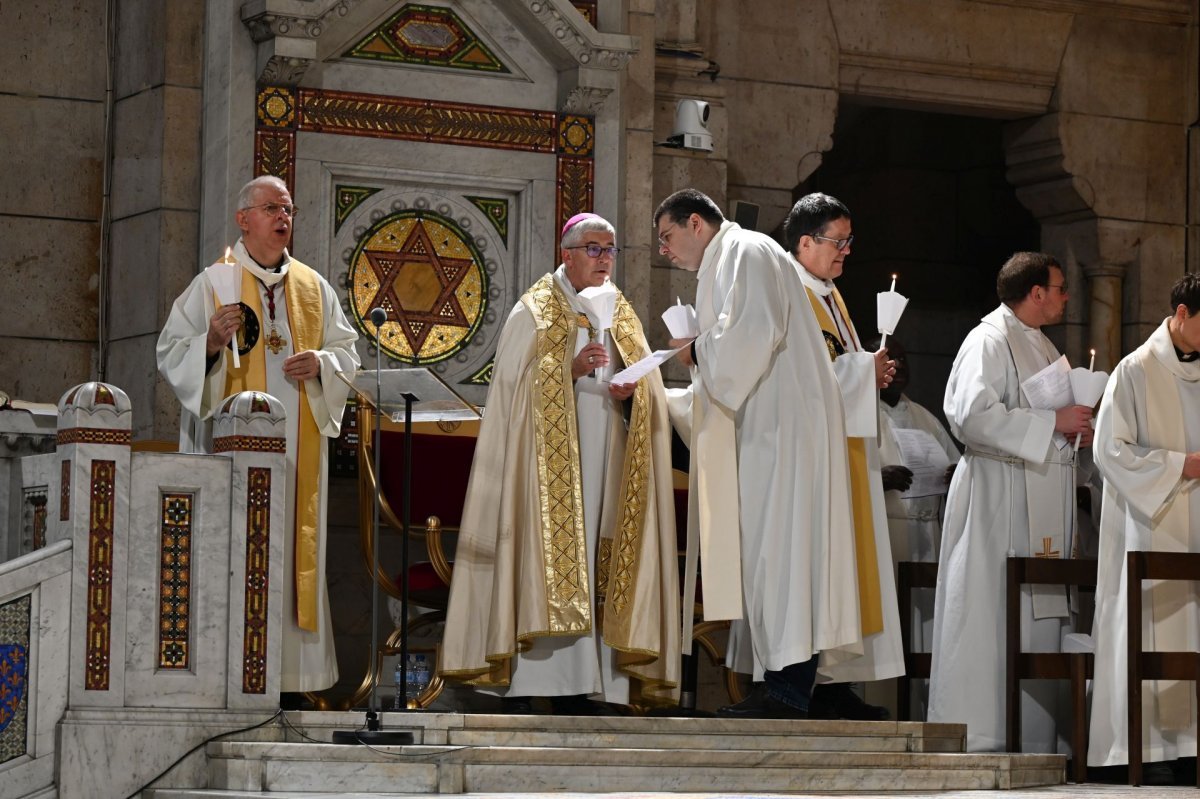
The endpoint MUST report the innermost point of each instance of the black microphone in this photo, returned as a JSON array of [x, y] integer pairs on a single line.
[[377, 316]]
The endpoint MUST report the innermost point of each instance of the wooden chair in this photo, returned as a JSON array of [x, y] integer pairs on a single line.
[[1144, 665], [911, 575], [441, 458], [1074, 666]]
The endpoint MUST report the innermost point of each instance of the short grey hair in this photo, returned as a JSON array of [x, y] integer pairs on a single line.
[[575, 235], [246, 195]]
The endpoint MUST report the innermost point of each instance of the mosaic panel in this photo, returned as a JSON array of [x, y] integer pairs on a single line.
[[92, 435], [275, 154], [276, 107], [421, 268], [258, 556], [430, 36], [175, 583], [35, 516], [345, 200], [99, 576], [574, 188], [427, 120], [496, 211], [484, 376], [64, 493], [249, 444], [587, 8], [576, 135], [15, 632]]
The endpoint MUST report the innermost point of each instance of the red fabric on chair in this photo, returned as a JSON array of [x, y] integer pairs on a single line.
[[441, 469]]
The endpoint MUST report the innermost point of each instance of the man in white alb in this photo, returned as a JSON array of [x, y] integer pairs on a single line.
[[769, 497], [293, 339], [1147, 448], [1012, 495]]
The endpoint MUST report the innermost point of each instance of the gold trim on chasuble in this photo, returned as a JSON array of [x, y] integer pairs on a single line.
[[870, 600]]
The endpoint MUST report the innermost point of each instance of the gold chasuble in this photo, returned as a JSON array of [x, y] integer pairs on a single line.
[[521, 568], [305, 318], [869, 599]]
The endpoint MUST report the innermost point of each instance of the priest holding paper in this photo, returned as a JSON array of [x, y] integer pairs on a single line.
[[1148, 450], [1012, 494], [769, 501], [292, 339], [818, 233], [565, 578]]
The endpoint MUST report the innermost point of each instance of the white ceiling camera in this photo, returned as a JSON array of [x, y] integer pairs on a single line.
[[691, 126]]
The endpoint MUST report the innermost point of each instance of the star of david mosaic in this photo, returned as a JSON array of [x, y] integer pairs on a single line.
[[426, 273]]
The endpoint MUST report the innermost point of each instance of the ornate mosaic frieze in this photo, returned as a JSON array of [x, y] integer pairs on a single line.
[[430, 36], [258, 562], [275, 154], [249, 444], [484, 376], [574, 184], [99, 576], [426, 272], [15, 631], [92, 435], [175, 583], [64, 493], [345, 200], [34, 508], [380, 116]]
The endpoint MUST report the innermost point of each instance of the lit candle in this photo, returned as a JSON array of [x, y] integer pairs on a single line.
[[1092, 362], [893, 288], [228, 257]]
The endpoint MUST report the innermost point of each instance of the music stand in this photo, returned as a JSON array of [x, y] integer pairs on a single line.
[[410, 395]]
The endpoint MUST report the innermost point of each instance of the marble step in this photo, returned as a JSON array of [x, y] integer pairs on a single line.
[[423, 769], [643, 732]]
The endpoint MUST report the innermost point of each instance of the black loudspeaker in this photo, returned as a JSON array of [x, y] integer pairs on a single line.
[[745, 214]]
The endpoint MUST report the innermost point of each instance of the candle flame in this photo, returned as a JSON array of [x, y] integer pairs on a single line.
[[893, 277], [228, 259], [1093, 352]]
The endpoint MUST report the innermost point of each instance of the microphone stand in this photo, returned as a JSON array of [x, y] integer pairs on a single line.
[[374, 734]]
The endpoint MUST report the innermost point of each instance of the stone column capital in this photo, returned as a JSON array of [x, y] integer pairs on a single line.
[[1104, 269]]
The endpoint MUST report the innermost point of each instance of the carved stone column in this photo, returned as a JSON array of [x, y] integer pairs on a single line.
[[1104, 312]]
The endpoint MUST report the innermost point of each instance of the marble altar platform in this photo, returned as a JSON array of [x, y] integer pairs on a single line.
[[481, 753]]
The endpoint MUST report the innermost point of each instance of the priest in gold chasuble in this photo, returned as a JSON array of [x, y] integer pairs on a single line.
[[292, 339], [818, 236], [565, 578]]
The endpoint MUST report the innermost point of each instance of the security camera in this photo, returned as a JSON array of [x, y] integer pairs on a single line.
[[691, 126]]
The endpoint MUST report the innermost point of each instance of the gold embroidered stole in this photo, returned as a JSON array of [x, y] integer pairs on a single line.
[[306, 322], [559, 474], [869, 595]]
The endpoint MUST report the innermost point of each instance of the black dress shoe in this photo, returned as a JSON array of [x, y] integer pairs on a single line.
[[759, 705], [580, 705], [516, 705], [838, 701]]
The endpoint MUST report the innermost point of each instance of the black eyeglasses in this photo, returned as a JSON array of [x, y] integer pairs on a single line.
[[273, 209], [596, 250], [838, 244]]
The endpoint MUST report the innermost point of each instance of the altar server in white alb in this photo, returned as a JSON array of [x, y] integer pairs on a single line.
[[565, 578], [1012, 494], [1148, 451], [292, 339], [769, 485]]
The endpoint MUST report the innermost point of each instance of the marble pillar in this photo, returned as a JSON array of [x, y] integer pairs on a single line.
[[1104, 283]]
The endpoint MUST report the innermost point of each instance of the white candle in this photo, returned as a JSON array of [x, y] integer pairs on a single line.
[[893, 288], [1092, 362], [228, 258]]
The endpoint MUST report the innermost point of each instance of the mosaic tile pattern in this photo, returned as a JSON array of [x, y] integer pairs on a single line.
[[345, 200], [175, 583], [496, 211], [429, 36], [99, 576], [484, 376], [91, 435], [258, 559], [64, 493], [15, 627]]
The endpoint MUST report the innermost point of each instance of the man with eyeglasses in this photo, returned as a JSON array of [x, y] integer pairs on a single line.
[[769, 503], [292, 339], [565, 580], [1013, 494], [818, 233]]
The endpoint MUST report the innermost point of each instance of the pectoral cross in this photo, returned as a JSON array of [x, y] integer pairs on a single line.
[[276, 343], [1046, 551], [586, 324]]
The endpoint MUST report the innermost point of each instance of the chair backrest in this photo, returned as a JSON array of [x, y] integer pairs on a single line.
[[441, 470]]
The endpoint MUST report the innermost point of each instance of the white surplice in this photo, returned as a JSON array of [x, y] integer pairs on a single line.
[[763, 377], [883, 656], [308, 661], [1147, 424], [987, 519]]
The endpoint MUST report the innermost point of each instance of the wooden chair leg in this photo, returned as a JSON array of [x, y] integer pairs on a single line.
[[1133, 590], [1079, 737], [1012, 683]]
